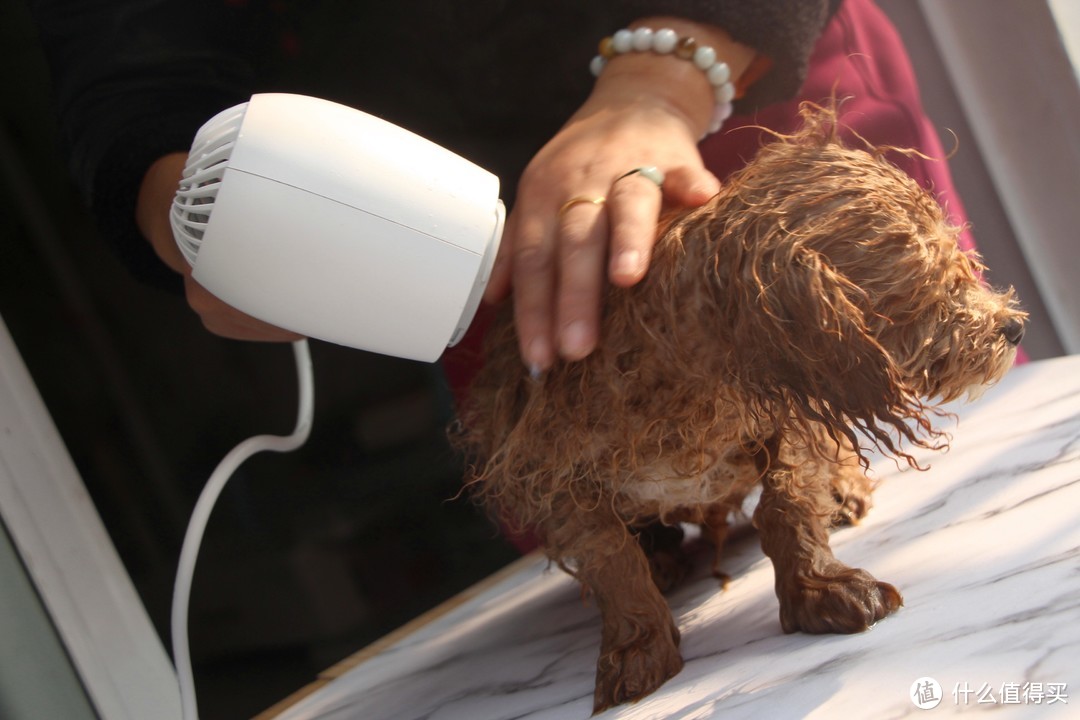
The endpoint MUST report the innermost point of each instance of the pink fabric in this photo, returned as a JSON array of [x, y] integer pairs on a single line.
[[859, 56]]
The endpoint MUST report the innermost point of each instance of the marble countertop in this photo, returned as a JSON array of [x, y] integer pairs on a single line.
[[985, 547]]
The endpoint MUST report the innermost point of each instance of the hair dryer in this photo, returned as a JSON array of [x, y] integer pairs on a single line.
[[338, 225]]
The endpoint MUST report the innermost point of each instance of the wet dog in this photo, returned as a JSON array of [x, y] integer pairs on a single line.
[[817, 307]]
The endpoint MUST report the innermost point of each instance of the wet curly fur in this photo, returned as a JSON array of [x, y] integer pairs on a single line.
[[817, 306]]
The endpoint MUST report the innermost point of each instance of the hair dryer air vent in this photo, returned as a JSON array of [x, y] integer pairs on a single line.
[[203, 174]]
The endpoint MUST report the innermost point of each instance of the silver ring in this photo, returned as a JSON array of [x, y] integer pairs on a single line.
[[649, 172]]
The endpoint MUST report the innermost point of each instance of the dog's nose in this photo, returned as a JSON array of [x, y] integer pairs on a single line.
[[1013, 331]]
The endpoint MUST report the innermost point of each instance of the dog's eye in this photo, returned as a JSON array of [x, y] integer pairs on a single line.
[[1013, 330]]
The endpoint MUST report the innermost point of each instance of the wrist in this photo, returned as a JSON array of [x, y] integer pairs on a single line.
[[698, 88], [154, 202]]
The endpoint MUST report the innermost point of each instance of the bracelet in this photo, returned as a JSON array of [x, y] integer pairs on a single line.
[[667, 42]]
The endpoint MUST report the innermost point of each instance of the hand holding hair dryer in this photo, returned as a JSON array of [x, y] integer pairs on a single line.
[[335, 224]]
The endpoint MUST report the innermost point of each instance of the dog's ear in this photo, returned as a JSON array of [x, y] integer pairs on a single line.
[[806, 350]]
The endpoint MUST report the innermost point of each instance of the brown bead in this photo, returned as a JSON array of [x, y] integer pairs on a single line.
[[685, 48], [607, 48]]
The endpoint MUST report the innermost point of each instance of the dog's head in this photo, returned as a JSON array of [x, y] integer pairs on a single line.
[[849, 299]]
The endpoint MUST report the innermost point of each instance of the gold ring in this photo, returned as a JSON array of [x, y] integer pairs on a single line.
[[649, 172], [578, 199]]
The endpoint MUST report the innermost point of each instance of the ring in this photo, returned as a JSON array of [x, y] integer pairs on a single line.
[[649, 172], [578, 199]]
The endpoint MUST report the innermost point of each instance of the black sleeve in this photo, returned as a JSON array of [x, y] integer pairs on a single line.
[[134, 80]]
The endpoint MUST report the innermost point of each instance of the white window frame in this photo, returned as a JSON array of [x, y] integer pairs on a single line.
[[69, 556], [1018, 86]]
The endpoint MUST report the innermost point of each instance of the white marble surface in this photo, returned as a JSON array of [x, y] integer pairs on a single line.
[[985, 547]]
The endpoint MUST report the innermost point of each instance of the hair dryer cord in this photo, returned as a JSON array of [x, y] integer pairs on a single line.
[[201, 515]]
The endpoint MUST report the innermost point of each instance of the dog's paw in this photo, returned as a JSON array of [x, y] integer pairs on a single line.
[[636, 669], [839, 600]]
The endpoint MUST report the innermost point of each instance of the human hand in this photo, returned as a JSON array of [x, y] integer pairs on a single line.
[[152, 216], [645, 110]]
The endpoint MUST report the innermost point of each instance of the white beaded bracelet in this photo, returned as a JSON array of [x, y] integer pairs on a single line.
[[667, 42]]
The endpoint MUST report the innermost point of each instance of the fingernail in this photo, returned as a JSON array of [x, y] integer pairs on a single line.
[[575, 340], [538, 356]]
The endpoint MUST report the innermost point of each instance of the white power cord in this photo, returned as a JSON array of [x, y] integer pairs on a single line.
[[201, 515]]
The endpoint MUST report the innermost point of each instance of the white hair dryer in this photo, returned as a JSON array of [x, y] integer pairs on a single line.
[[338, 225]]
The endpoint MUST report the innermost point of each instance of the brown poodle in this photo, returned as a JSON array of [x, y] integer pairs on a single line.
[[808, 309]]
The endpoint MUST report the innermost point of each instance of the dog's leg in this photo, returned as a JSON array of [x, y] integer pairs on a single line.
[[639, 644], [715, 528], [817, 593]]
